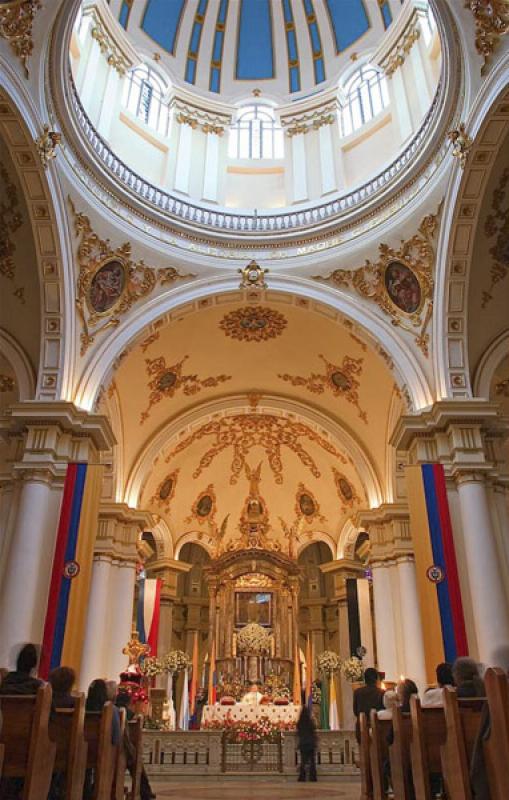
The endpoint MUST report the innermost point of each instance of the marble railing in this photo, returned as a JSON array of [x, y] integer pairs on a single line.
[[201, 753], [225, 222]]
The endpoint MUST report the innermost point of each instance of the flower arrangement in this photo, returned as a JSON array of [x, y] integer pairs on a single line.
[[151, 667], [352, 669], [253, 639], [176, 661], [328, 663], [241, 731]]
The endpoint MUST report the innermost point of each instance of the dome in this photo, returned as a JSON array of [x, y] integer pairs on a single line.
[[285, 49]]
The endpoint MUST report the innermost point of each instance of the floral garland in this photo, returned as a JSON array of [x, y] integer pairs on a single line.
[[176, 661], [151, 667], [253, 639], [241, 731], [352, 669], [328, 663]]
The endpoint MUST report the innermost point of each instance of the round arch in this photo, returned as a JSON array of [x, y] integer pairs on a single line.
[[492, 357], [314, 536], [194, 537], [20, 363]]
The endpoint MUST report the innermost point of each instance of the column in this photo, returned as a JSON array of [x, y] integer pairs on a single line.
[[121, 602], [110, 102], [399, 106], [184, 159], [300, 183], [411, 622], [211, 174], [491, 618], [327, 166], [385, 634], [347, 717], [422, 90], [96, 645]]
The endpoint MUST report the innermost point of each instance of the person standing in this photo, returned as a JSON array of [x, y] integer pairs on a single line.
[[308, 740], [367, 697]]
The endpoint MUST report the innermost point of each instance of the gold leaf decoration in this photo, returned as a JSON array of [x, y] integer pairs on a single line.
[[400, 282], [242, 432], [109, 281], [491, 23], [340, 380], [307, 507], [346, 490], [16, 19], [10, 221], [497, 225], [166, 381], [165, 492], [204, 507], [7, 383], [253, 324]]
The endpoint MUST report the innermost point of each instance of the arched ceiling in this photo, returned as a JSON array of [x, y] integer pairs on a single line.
[[236, 384], [230, 47]]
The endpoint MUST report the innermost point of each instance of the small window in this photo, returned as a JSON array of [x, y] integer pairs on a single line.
[[143, 96], [365, 96], [256, 134]]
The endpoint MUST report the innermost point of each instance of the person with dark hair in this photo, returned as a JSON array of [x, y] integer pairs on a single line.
[[434, 695], [307, 742], [405, 689], [123, 700], [62, 680], [21, 680], [467, 679], [97, 696], [367, 697]]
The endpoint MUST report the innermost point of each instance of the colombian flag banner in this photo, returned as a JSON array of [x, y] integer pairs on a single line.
[[64, 627], [148, 612], [438, 586]]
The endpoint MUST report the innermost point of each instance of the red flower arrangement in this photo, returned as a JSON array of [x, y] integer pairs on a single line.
[[240, 731]]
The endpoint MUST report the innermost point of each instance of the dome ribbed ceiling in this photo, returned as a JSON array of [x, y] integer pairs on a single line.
[[229, 47]]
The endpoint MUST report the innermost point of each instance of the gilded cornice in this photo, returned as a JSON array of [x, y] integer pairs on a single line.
[[16, 19], [398, 42], [491, 23], [110, 36], [196, 117], [312, 119]]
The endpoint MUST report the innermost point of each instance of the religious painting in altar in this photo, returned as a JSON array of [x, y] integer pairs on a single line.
[[253, 607]]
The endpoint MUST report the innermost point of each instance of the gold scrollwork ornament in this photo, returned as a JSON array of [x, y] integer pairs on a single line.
[[16, 19]]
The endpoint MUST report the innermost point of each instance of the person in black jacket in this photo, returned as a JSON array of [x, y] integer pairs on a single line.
[[21, 680], [367, 697], [307, 738]]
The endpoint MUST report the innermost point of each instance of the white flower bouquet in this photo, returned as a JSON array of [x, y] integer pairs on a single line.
[[253, 639], [352, 669], [328, 663], [176, 661], [151, 667]]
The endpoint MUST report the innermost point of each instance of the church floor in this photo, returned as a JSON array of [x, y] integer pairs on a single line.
[[261, 789]]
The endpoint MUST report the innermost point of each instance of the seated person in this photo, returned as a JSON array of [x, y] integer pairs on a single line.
[[467, 679], [390, 700], [253, 696], [21, 680], [62, 681], [367, 697], [434, 695]]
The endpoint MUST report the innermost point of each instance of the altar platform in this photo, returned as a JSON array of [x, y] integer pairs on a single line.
[[250, 712]]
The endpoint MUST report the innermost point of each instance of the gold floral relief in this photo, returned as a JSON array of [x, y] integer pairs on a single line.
[[496, 228], [253, 324], [243, 432], [307, 507], [10, 221], [109, 281], [167, 381], [491, 23], [340, 380], [165, 492], [16, 19], [204, 507], [502, 388], [7, 383], [346, 490], [400, 282]]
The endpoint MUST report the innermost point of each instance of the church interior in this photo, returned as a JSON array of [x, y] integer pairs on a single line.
[[254, 391]]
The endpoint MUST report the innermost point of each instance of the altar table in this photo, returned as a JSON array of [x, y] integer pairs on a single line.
[[251, 712]]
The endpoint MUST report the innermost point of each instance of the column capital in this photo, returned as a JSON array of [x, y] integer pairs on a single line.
[[389, 531], [168, 570], [119, 528]]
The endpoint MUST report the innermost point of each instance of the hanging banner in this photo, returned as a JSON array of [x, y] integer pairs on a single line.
[[438, 586], [64, 628], [148, 612]]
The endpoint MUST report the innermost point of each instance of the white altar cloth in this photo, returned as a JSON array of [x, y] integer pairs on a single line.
[[247, 711]]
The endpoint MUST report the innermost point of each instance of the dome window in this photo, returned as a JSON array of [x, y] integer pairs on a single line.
[[256, 134], [365, 96], [143, 96]]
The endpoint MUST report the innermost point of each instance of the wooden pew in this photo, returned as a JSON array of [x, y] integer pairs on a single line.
[[135, 728], [462, 720], [121, 761], [428, 736], [101, 754], [399, 755], [28, 751], [379, 753], [365, 759], [67, 731], [496, 742]]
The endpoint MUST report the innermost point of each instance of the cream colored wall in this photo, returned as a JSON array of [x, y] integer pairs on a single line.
[[362, 154], [249, 186]]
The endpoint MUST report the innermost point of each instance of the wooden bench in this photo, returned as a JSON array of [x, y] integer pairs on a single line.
[[379, 753], [29, 752], [67, 731], [399, 755], [135, 731], [428, 736], [496, 742], [121, 761], [101, 753], [462, 721], [365, 759]]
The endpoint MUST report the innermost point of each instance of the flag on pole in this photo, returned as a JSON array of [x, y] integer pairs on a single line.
[[184, 705], [171, 720], [309, 673], [148, 611], [324, 704], [333, 706], [212, 675], [194, 677], [297, 689]]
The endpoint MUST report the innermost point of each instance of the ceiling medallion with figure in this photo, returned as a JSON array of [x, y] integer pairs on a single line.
[[306, 505], [165, 492], [242, 432], [204, 507], [346, 490], [341, 380], [497, 225], [400, 282], [109, 281], [253, 324], [166, 381], [10, 221]]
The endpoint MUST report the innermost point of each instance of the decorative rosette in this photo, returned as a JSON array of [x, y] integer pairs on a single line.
[[352, 669], [328, 663], [253, 639]]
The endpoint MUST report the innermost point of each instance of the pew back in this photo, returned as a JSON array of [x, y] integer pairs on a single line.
[[428, 736], [399, 755], [365, 746], [121, 760], [496, 742], [101, 753], [67, 731], [462, 720], [379, 753], [135, 728]]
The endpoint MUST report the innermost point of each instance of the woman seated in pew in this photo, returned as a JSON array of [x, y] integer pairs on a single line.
[[390, 700], [434, 695], [467, 679], [404, 691], [22, 680], [97, 696], [62, 680], [123, 700]]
